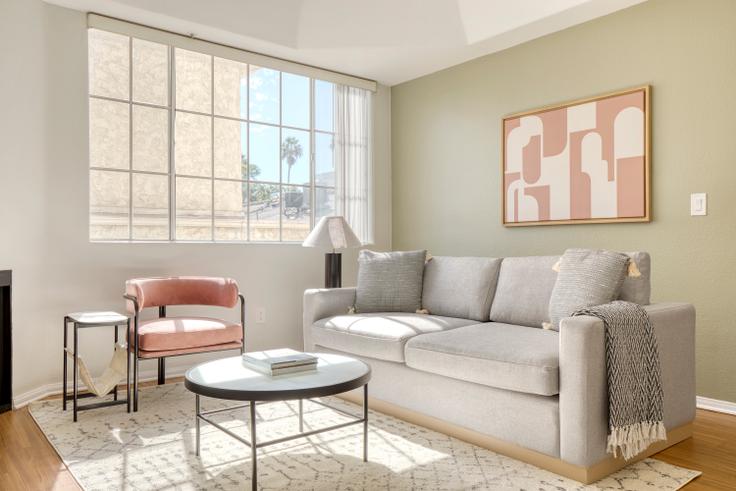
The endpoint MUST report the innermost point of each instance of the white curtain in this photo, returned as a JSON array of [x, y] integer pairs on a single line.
[[353, 152]]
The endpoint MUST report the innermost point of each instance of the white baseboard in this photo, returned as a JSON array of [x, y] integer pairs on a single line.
[[26, 398], [715, 405]]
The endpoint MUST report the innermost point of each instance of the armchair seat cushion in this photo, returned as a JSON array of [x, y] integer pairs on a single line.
[[378, 335], [505, 356], [184, 333]]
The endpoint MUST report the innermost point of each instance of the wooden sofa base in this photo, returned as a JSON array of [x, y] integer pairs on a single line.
[[584, 475]]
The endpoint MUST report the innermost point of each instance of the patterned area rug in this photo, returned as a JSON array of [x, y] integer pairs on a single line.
[[154, 449]]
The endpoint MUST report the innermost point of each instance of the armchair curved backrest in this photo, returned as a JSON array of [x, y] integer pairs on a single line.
[[180, 290]]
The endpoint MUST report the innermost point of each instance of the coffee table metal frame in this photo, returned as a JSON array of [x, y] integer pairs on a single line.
[[260, 397]]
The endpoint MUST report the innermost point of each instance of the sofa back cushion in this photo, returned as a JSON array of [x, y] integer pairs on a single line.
[[460, 286], [525, 286], [390, 281]]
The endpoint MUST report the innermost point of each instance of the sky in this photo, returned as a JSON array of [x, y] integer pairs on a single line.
[[264, 107]]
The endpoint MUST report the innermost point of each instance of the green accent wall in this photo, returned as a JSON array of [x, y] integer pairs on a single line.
[[446, 150]]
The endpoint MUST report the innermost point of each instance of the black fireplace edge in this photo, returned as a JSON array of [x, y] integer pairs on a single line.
[[6, 340]]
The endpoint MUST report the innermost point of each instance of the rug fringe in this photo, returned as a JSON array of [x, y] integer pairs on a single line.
[[633, 439]]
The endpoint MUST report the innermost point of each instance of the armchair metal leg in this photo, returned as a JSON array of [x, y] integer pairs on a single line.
[[127, 363], [63, 404], [162, 360], [115, 389], [242, 322], [76, 370], [134, 340], [161, 371], [135, 382]]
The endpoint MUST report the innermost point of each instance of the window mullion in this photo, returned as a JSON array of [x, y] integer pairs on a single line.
[[172, 144], [212, 144], [247, 153], [312, 160], [125, 101], [130, 138], [281, 167]]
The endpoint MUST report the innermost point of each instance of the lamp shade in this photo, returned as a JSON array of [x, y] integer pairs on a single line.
[[332, 233]]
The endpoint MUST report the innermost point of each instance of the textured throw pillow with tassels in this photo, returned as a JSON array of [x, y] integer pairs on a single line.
[[390, 281], [585, 278]]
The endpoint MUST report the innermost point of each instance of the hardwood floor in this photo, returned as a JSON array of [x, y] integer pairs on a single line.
[[28, 462], [711, 450]]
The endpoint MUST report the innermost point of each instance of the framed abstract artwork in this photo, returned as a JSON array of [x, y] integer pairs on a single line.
[[586, 161]]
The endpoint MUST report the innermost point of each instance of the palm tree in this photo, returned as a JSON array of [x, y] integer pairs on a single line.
[[291, 150], [252, 170]]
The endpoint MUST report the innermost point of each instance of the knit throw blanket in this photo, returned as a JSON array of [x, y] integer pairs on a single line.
[[634, 386]]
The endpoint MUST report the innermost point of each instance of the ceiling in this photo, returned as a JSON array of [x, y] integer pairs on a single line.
[[390, 41]]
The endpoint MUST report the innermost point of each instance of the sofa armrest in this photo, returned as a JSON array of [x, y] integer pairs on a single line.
[[324, 302], [674, 326], [584, 389]]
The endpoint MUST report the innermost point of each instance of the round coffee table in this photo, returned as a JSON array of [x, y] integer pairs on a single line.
[[231, 379]]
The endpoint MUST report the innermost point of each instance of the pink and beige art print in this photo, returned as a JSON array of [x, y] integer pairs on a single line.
[[585, 161]]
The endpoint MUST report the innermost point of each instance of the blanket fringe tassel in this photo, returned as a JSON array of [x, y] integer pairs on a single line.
[[633, 439]]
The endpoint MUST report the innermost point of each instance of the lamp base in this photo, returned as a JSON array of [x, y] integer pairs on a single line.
[[333, 270]]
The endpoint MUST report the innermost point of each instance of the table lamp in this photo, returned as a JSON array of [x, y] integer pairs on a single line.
[[332, 233]]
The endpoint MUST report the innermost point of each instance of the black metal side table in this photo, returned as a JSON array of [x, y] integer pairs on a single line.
[[83, 320]]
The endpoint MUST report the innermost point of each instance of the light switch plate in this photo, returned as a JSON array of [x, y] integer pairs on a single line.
[[698, 204]]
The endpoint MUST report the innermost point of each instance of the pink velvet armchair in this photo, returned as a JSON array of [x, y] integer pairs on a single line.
[[175, 336]]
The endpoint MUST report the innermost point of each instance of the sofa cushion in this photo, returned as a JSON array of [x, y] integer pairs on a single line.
[[525, 286], [523, 290], [460, 286], [498, 355], [180, 333], [390, 281], [378, 335]]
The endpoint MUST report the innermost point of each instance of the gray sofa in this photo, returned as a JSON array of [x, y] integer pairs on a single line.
[[480, 366]]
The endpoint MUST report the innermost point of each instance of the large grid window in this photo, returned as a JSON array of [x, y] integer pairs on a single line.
[[187, 146]]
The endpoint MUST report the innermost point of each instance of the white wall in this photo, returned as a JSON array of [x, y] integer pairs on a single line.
[[43, 211]]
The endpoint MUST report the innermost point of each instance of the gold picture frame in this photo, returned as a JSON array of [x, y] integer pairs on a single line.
[[544, 210]]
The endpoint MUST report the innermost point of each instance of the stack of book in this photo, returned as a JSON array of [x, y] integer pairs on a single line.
[[280, 361]]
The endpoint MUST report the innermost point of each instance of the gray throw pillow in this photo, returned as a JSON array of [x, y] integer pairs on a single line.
[[586, 278], [390, 281]]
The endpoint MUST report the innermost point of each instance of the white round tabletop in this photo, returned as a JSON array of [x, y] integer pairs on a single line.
[[229, 378]]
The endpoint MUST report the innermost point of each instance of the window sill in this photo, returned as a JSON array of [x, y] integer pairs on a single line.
[[195, 242]]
